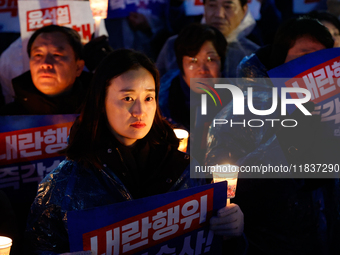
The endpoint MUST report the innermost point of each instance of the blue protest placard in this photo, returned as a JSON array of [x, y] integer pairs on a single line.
[[29, 150], [173, 222], [122, 8], [319, 72], [305, 6]]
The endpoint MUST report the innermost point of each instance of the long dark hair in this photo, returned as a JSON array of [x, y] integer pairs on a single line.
[[88, 132]]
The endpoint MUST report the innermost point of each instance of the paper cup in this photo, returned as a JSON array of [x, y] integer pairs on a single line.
[[227, 173], [183, 136], [5, 245]]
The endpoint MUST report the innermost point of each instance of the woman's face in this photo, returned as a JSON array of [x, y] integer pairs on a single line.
[[131, 105], [206, 64], [334, 32]]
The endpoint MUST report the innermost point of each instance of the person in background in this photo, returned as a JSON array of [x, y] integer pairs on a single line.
[[120, 148], [95, 51], [295, 38], [55, 83], [267, 23], [283, 215], [331, 22], [139, 28], [176, 19], [200, 51], [234, 21]]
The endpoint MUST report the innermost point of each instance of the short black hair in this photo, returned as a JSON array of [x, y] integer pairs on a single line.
[[294, 29], [191, 39], [72, 37], [325, 16], [243, 2]]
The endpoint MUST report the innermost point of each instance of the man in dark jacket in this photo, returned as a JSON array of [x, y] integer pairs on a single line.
[[56, 83]]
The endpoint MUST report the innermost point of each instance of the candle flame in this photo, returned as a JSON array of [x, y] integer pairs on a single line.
[[99, 8]]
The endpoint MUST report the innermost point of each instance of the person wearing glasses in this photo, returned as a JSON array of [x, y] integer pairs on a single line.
[[234, 20], [200, 53]]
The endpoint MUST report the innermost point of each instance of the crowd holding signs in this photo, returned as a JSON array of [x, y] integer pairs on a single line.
[[172, 223]]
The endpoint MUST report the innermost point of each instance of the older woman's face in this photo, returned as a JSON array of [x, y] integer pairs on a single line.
[[131, 105], [206, 64], [334, 32]]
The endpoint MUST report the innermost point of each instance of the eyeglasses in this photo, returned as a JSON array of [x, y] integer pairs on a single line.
[[194, 63]]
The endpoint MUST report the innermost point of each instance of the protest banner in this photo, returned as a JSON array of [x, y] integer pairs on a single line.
[[193, 7], [29, 148], [171, 223], [36, 14], [122, 8], [319, 72], [9, 20]]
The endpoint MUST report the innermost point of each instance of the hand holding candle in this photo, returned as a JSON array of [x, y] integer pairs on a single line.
[[228, 173], [229, 221]]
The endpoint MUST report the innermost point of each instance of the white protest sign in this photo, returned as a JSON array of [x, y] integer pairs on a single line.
[[36, 14]]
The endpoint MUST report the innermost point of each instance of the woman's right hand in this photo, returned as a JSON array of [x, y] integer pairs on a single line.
[[229, 221]]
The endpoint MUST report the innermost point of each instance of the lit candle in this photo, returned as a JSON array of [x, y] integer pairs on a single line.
[[99, 12], [227, 173], [5, 245], [183, 136]]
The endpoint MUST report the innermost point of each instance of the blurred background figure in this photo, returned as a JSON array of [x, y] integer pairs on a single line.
[[331, 22], [136, 29], [200, 53], [300, 216], [95, 51], [268, 19], [234, 21], [295, 38]]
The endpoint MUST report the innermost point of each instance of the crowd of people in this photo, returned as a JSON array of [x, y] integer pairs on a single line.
[[123, 147]]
